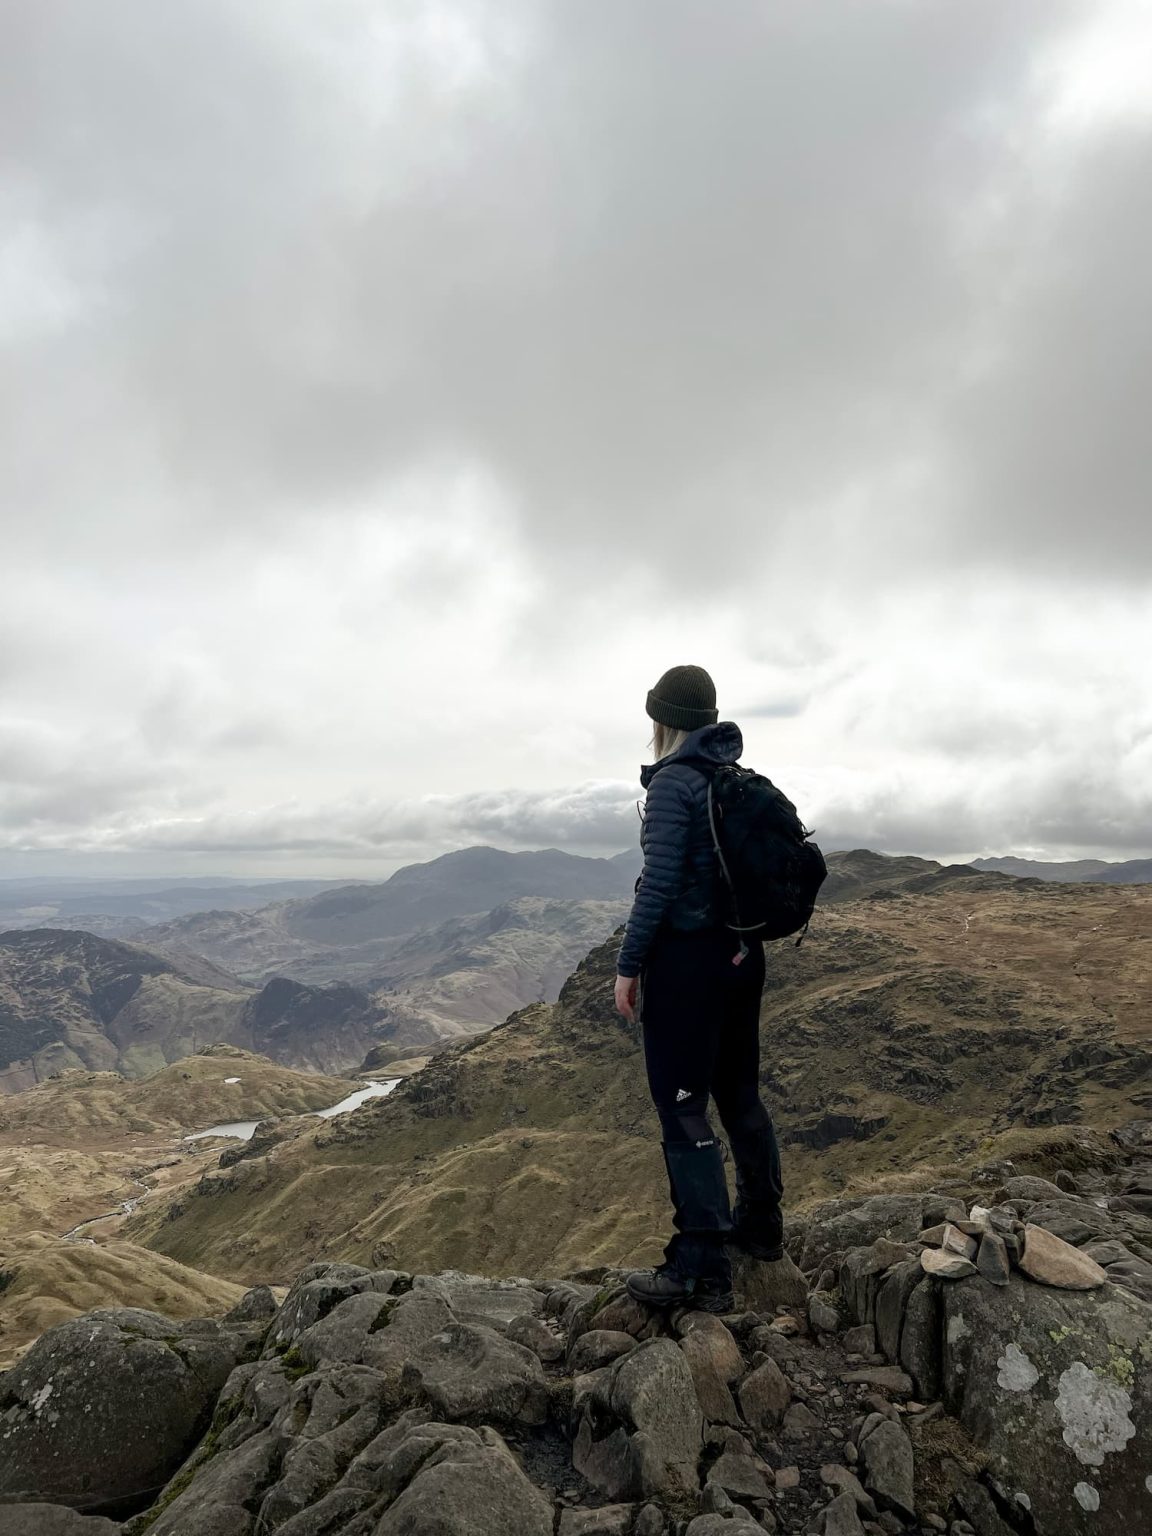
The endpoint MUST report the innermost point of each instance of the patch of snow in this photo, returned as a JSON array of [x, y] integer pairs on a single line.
[[231, 1079]]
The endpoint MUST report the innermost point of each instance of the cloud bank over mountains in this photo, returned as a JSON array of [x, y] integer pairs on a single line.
[[390, 398]]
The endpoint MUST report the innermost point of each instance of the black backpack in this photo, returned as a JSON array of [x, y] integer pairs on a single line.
[[770, 871]]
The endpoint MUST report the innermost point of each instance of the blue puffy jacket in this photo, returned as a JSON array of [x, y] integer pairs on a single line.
[[678, 886]]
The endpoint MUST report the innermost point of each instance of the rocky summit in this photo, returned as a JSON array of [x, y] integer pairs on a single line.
[[872, 1395]]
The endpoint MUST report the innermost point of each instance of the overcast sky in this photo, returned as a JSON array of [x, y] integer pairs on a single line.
[[390, 393]]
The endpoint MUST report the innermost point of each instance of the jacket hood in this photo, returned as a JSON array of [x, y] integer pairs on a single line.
[[707, 747]]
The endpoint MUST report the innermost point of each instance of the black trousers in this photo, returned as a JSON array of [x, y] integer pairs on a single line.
[[700, 1016]]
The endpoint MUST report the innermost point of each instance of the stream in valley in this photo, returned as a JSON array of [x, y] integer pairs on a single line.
[[237, 1130]]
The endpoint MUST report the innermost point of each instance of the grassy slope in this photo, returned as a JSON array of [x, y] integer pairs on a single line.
[[188, 1095], [948, 1006], [44, 1280]]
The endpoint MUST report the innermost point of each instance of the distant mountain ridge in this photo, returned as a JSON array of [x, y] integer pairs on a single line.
[[120, 908], [70, 999], [1075, 871], [352, 931]]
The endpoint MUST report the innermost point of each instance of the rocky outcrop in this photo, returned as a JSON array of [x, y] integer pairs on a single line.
[[375, 1403], [102, 1410], [1045, 1363], [53, 1520]]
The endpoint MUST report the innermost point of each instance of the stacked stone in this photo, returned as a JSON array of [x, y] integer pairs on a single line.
[[993, 1241], [1014, 1329]]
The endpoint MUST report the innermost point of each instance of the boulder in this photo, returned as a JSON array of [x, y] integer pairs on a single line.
[[887, 1462], [740, 1524], [741, 1475], [846, 1481], [101, 1410], [467, 1372], [841, 1224], [892, 1299], [1054, 1262], [860, 1340], [920, 1339], [468, 1489], [387, 1463], [640, 1429], [723, 1349], [764, 1286], [841, 1517], [822, 1314], [317, 1289], [708, 1359], [862, 1271], [534, 1334], [1056, 1387], [612, 1310], [276, 1449], [475, 1299], [1025, 1188], [255, 1306], [597, 1347], [765, 1394], [562, 1300], [1075, 1219]]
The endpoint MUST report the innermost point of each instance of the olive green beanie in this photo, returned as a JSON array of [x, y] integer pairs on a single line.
[[684, 699]]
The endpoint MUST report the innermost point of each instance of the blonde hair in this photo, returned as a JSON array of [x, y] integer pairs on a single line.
[[666, 739]]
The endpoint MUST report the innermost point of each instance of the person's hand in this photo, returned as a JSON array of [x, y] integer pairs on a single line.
[[626, 997]]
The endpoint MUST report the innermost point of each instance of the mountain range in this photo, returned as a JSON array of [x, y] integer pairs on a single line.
[[119, 908], [352, 932], [945, 1020], [348, 977], [1099, 871]]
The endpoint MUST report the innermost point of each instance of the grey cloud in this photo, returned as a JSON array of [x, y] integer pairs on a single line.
[[758, 319], [53, 785], [596, 816], [1063, 808], [772, 709], [632, 270]]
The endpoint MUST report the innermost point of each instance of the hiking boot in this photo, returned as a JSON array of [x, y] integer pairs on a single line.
[[667, 1287]]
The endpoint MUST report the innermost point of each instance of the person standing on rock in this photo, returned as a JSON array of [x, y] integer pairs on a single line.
[[695, 990]]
